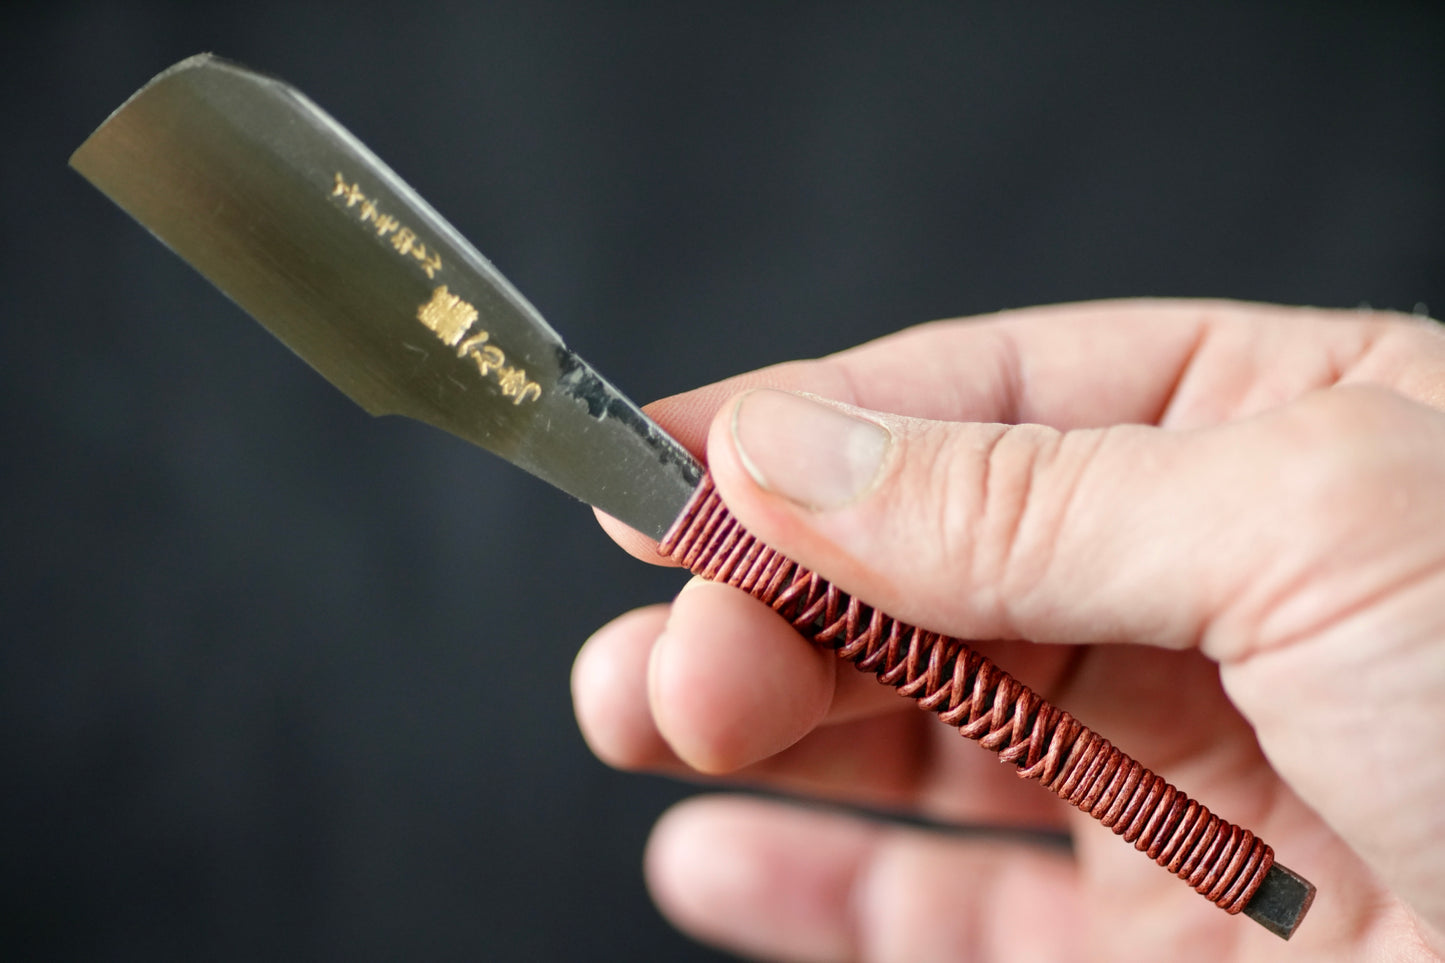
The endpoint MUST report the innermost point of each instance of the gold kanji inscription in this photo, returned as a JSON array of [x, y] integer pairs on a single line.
[[447, 315], [451, 319]]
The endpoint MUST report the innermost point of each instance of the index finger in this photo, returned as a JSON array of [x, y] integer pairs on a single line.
[[1139, 361], [1177, 363]]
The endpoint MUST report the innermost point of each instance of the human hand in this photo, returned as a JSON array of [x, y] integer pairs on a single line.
[[1247, 598]]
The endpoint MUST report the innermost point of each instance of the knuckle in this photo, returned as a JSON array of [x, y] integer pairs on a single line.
[[1013, 516], [1356, 447], [1035, 486]]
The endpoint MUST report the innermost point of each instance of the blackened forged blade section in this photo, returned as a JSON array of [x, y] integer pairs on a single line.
[[307, 230]]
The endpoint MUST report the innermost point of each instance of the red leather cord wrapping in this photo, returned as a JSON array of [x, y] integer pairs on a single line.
[[1221, 861]]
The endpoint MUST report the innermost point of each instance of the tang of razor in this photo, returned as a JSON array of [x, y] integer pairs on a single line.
[[308, 231]]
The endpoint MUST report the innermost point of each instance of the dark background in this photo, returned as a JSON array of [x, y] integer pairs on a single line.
[[278, 681]]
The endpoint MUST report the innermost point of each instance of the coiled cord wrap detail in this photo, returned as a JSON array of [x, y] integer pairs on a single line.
[[1221, 861]]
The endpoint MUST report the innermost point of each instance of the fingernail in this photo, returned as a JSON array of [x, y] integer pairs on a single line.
[[811, 453]]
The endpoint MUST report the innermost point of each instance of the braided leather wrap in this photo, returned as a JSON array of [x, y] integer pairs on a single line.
[[1221, 861]]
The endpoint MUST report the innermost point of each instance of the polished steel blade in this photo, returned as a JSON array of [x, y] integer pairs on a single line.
[[307, 230]]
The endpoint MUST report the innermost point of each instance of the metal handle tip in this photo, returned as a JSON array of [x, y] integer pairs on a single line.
[[1281, 902]]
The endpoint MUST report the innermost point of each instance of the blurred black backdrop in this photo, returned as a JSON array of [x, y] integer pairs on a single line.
[[278, 681]]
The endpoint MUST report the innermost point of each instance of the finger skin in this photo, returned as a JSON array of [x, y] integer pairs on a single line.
[[1140, 361], [689, 678], [993, 531], [787, 884], [609, 693], [1189, 364], [776, 882], [1346, 717], [718, 691], [1263, 537], [873, 748]]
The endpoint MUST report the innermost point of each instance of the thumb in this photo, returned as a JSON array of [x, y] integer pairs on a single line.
[[1233, 538], [1303, 549]]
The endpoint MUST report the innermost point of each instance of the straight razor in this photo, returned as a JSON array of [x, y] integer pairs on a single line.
[[307, 230]]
